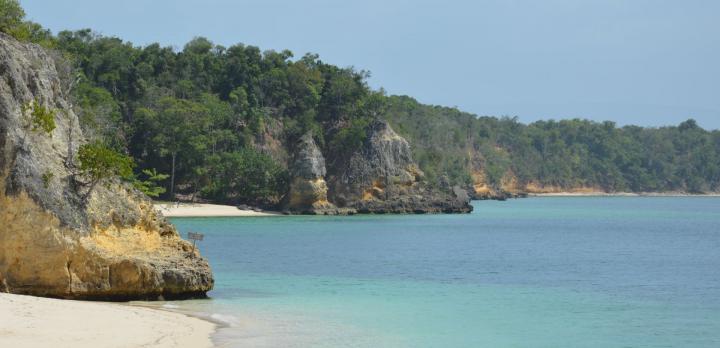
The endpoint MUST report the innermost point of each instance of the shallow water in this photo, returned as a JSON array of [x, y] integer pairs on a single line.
[[537, 272]]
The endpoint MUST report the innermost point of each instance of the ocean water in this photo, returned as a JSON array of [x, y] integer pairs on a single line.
[[537, 272]]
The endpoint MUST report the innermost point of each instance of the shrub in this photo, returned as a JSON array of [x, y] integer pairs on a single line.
[[99, 162], [41, 118]]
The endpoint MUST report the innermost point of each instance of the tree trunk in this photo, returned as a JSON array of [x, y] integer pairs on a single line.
[[172, 177], [86, 196], [69, 159]]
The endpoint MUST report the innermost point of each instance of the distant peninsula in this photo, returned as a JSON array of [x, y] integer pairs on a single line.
[[241, 126]]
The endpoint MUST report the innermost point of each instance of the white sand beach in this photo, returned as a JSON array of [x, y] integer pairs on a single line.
[[29, 322], [584, 194], [207, 210], [621, 194]]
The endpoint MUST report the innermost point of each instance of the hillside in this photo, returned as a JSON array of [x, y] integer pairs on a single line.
[[224, 124], [501, 156]]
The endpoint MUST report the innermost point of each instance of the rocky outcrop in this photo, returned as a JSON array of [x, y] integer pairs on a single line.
[[308, 189], [382, 177], [270, 140], [510, 187], [55, 238], [482, 190]]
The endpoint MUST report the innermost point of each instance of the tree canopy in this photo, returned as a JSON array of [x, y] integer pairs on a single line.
[[222, 121]]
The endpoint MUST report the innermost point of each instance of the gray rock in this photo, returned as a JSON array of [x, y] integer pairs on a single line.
[[382, 177], [308, 161], [308, 190]]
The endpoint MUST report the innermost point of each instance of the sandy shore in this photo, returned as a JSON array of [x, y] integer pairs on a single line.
[[207, 210], [30, 322], [584, 194], [621, 194]]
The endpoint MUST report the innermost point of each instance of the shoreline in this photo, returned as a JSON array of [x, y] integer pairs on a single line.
[[621, 194], [208, 210], [200, 210], [30, 321], [220, 323]]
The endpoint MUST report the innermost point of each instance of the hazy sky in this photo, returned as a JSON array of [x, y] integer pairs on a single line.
[[646, 62]]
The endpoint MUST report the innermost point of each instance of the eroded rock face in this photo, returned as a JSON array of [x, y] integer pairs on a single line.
[[308, 189], [53, 240], [507, 189], [382, 177]]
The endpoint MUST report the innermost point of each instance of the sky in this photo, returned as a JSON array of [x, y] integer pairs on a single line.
[[643, 62]]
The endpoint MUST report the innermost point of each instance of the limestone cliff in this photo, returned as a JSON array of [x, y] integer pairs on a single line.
[[55, 241], [308, 189], [382, 177], [508, 187]]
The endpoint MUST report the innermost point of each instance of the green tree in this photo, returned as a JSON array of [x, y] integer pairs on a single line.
[[246, 176], [99, 162], [100, 116], [151, 184], [178, 128], [11, 16]]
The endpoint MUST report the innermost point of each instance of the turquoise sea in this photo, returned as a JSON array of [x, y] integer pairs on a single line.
[[537, 272]]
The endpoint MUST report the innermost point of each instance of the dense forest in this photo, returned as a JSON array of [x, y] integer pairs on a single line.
[[564, 155], [214, 122]]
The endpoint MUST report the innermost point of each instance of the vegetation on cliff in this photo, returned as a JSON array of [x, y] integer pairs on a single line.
[[201, 114], [563, 155], [13, 23], [218, 121]]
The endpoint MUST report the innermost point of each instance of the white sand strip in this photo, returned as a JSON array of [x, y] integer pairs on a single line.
[[584, 194], [207, 210], [30, 322], [622, 194]]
